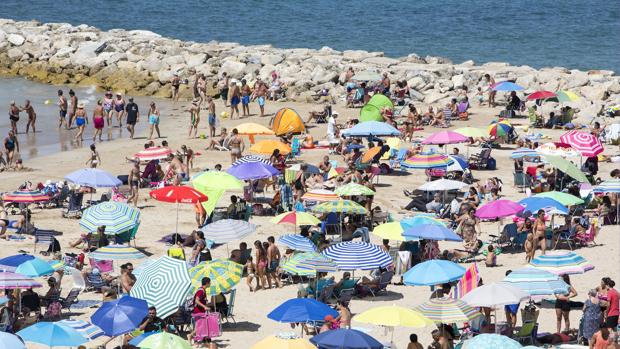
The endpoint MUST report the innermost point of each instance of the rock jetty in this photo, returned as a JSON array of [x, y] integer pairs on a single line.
[[142, 63]]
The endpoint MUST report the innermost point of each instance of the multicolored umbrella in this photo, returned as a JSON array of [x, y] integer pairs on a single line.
[[540, 95], [153, 153], [253, 170], [445, 137], [427, 160], [85, 328], [340, 206], [164, 340], [268, 146], [537, 282], [120, 316], [495, 294], [491, 341], [25, 196], [472, 132], [320, 195], [297, 242], [563, 198], [9, 280], [562, 262], [163, 284], [308, 264], [498, 209], [608, 186], [524, 153], [459, 164], [393, 316], [506, 86], [447, 310], [354, 189], [534, 203], [282, 342], [94, 178], [352, 255], [564, 96], [433, 272], [500, 129], [224, 275], [296, 218], [227, 230], [585, 143], [251, 158], [116, 252], [116, 216], [52, 334]]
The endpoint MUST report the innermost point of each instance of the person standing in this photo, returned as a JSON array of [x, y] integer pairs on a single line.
[[236, 145], [246, 91], [134, 183], [175, 82], [10, 146], [133, 114], [211, 116], [73, 103], [62, 106], [592, 315], [611, 312], [80, 121], [260, 94], [153, 120], [223, 87], [235, 98], [32, 116], [385, 82], [194, 118], [562, 305], [98, 119], [13, 116], [331, 132], [108, 106], [119, 108], [492, 92], [273, 261]]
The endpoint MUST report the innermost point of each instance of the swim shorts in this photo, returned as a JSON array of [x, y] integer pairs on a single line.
[[261, 101], [245, 100], [273, 266], [211, 119], [234, 100], [63, 113]]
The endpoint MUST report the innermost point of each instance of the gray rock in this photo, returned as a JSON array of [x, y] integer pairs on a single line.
[[458, 80], [85, 54], [381, 61], [416, 82], [15, 53], [232, 68], [434, 96], [176, 59], [271, 59], [15, 39], [195, 60], [153, 64]]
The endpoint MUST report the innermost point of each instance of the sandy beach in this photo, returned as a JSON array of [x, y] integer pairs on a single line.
[[251, 308]]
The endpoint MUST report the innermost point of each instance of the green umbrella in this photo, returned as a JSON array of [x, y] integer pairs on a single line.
[[567, 167], [164, 340], [213, 184], [563, 198], [370, 113], [353, 189], [115, 216], [381, 101]]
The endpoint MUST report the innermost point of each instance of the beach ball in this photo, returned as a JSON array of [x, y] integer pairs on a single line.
[[203, 136], [48, 101], [224, 115]]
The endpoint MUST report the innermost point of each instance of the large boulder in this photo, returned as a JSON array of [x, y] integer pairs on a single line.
[[381, 61], [195, 60], [434, 97], [272, 59], [15, 39], [232, 68], [85, 54], [15, 53]]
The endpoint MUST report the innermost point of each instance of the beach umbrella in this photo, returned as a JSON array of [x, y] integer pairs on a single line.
[[85, 328], [445, 137], [563, 198], [52, 334], [297, 242], [608, 186], [559, 149], [217, 179], [227, 230], [153, 153], [352, 255], [354, 189], [94, 177], [301, 310], [9, 280], [164, 340], [442, 185], [534, 203], [340, 206], [381, 101], [494, 295], [393, 316], [253, 129], [564, 96], [491, 341], [116, 253], [120, 315], [345, 339], [296, 218], [370, 154], [163, 284], [180, 195], [506, 86], [25, 196], [224, 275], [268, 146], [251, 158], [311, 169], [585, 143], [11, 263], [447, 310], [561, 262], [459, 164], [116, 216], [320, 195], [308, 264], [540, 95], [498, 209], [419, 220], [11, 341], [389, 231], [433, 272], [567, 167], [253, 170], [499, 129], [537, 282], [34, 267], [472, 132], [524, 153], [371, 128], [367, 75], [431, 232], [427, 160], [283, 342]]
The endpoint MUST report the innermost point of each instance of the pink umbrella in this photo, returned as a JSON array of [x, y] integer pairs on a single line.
[[445, 137], [498, 209], [585, 143], [541, 95]]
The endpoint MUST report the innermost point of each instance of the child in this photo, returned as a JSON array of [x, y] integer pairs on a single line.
[[250, 267], [491, 257], [480, 96], [529, 248]]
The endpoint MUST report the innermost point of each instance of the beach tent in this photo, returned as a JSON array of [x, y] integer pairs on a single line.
[[287, 120], [370, 112], [381, 101]]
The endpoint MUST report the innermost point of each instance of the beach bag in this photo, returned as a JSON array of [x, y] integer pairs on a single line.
[[206, 325], [491, 164], [205, 255]]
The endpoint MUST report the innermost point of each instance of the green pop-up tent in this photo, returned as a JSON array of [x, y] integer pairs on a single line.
[[370, 113], [380, 101]]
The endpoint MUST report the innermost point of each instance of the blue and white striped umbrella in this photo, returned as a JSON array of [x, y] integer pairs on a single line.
[[93, 177], [537, 282], [116, 216], [85, 328], [608, 186], [227, 230], [164, 284], [352, 255], [524, 153], [459, 164], [297, 242], [251, 158]]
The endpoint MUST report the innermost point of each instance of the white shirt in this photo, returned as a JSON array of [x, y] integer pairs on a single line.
[[331, 126]]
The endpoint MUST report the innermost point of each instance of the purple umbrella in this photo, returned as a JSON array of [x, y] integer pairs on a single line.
[[498, 209], [10, 280], [253, 170]]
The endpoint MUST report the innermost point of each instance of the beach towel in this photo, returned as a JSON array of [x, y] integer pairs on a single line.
[[468, 282]]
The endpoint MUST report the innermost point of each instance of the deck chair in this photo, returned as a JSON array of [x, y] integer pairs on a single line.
[[74, 210], [505, 237], [43, 237], [231, 304], [479, 161], [70, 299], [400, 157], [326, 293], [95, 282], [586, 238], [527, 333], [567, 237], [181, 320], [331, 224], [384, 280]]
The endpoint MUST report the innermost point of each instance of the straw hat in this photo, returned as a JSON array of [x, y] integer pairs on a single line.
[[81, 106]]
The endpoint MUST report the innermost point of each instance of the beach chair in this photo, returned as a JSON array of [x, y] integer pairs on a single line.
[[326, 293], [74, 210], [527, 333], [505, 237], [43, 237], [181, 320], [231, 305], [479, 161], [567, 237], [384, 280], [519, 241], [95, 282], [586, 238], [70, 299], [331, 224]]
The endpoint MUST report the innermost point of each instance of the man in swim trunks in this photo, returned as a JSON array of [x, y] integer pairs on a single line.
[[235, 98], [32, 116], [246, 91], [236, 146], [62, 106], [133, 113], [260, 94], [13, 116], [134, 183], [273, 261], [73, 103], [178, 168], [223, 87], [175, 82], [211, 112], [386, 84], [194, 118]]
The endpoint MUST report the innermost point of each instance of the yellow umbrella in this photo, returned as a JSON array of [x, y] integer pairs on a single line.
[[275, 342], [393, 316], [389, 231], [267, 147], [394, 143], [472, 132], [566, 96], [251, 129]]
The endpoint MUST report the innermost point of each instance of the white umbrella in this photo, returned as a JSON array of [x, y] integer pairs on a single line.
[[494, 295], [442, 185]]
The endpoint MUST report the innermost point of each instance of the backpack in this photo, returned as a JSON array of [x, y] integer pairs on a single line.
[[491, 164]]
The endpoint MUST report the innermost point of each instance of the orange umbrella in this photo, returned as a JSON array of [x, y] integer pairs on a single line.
[[267, 147], [370, 154], [251, 129]]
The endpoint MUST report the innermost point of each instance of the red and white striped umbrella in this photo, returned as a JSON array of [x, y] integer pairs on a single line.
[[153, 153], [25, 196], [585, 143]]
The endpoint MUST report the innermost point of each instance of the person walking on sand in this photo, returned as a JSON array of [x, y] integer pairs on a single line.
[[246, 91], [108, 106], [194, 118], [492, 92], [273, 261], [62, 106], [32, 116], [73, 103], [235, 98], [211, 118], [94, 158], [80, 121], [236, 146], [98, 119], [153, 120], [119, 108], [10, 146], [134, 183], [175, 82], [261, 95], [133, 114], [13, 116]]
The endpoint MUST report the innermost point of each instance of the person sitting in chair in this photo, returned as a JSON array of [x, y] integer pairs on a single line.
[[320, 116]]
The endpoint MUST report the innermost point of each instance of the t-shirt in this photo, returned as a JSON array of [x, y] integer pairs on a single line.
[[331, 126], [202, 297], [155, 325], [612, 297], [132, 112]]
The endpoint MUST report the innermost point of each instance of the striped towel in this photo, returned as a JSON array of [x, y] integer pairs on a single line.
[[289, 176], [468, 282]]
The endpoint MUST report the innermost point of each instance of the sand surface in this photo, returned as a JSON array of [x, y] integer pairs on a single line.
[[251, 308]]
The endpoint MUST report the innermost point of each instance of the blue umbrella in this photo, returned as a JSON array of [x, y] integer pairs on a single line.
[[52, 334], [537, 282], [10, 341], [345, 339], [491, 341], [297, 242], [11, 263], [253, 170], [34, 268], [301, 310], [459, 164], [419, 220], [431, 232], [506, 86], [433, 272], [92, 177], [371, 128], [120, 316], [533, 204]]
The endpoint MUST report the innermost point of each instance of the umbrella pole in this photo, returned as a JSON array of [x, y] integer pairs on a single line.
[[176, 230]]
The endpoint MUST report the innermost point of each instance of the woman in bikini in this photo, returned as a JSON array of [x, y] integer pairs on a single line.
[[261, 265], [153, 120], [94, 158], [236, 145], [119, 108], [80, 121], [539, 229], [98, 119], [194, 118], [108, 106]]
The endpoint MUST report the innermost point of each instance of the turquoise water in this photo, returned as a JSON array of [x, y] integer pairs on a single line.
[[569, 33]]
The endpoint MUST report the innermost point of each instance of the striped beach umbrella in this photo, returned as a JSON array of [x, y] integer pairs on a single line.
[[585, 143], [447, 310], [340, 206], [9, 280], [354, 189], [250, 158], [308, 264], [116, 253], [116, 216], [537, 282], [524, 153], [94, 177], [224, 275], [296, 218], [85, 328], [460, 164], [562, 262], [320, 195], [608, 186], [25, 196], [297, 242], [227, 230], [352, 255], [153, 153], [427, 160], [499, 129], [164, 284]]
